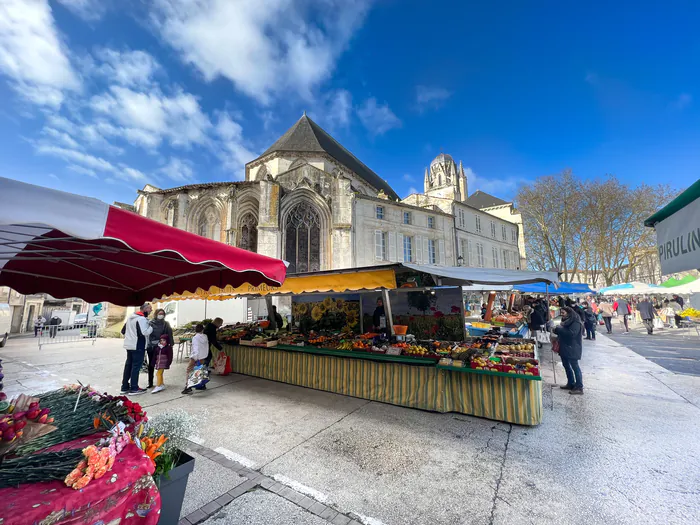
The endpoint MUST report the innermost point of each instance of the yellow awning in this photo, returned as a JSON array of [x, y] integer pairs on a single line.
[[330, 282]]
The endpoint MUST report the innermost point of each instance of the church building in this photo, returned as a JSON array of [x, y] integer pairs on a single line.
[[311, 202]]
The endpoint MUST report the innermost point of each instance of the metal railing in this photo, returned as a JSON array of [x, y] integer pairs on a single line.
[[73, 333]]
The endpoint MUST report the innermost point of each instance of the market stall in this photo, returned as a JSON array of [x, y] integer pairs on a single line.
[[393, 334], [78, 455]]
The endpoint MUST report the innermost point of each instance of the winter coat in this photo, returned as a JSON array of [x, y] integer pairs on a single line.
[[136, 331], [164, 357], [537, 319], [591, 318], [570, 333], [622, 307], [646, 310], [160, 327], [580, 312], [606, 309]]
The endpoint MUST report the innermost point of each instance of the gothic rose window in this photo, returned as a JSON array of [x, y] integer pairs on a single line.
[[249, 233], [302, 229]]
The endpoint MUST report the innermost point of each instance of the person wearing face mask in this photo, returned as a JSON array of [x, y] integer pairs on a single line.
[[160, 327], [163, 360], [136, 334]]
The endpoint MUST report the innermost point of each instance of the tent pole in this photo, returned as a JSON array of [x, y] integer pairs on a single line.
[[464, 315], [387, 312], [554, 365], [362, 317]]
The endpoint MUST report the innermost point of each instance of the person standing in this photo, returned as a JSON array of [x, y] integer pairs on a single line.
[[378, 314], [53, 325], [590, 320], [647, 313], [623, 309], [136, 332], [160, 327], [570, 334], [606, 310], [163, 360], [198, 353], [678, 299], [210, 332], [677, 309], [39, 324]]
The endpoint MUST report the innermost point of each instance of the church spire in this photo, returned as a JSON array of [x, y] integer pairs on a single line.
[[426, 181]]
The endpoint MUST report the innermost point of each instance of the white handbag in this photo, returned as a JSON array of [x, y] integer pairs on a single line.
[[542, 337]]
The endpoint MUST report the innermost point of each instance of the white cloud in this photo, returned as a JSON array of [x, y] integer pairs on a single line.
[[338, 109], [501, 187], [53, 176], [78, 157], [431, 97], [683, 101], [60, 137], [127, 68], [377, 118], [130, 174], [264, 48], [148, 117], [89, 10], [82, 171], [232, 151], [178, 170], [32, 54], [407, 177], [412, 190]]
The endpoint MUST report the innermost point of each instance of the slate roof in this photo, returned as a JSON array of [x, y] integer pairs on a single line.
[[482, 200], [307, 136]]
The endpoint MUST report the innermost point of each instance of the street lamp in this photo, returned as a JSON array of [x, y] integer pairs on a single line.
[[460, 260]]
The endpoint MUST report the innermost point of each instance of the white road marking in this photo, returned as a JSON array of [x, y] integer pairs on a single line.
[[196, 439], [368, 520], [303, 489], [236, 457]]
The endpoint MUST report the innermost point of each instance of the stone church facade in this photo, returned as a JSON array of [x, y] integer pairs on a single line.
[[309, 201]]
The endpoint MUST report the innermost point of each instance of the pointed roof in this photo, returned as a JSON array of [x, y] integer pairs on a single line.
[[307, 136], [481, 200]]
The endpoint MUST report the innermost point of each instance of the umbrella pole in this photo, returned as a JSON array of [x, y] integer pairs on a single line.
[[205, 308], [554, 365]]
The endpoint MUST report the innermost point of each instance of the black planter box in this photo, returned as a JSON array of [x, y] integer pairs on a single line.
[[172, 486]]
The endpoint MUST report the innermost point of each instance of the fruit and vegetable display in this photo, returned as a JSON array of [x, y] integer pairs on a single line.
[[690, 312], [508, 319]]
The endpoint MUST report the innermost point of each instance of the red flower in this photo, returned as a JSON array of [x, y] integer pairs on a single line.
[[438, 315]]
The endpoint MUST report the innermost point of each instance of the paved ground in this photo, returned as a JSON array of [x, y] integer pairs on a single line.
[[625, 452], [675, 350]]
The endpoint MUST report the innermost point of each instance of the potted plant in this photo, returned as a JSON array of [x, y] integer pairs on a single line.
[[167, 435]]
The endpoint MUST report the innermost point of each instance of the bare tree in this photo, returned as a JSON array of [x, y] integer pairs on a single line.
[[590, 226]]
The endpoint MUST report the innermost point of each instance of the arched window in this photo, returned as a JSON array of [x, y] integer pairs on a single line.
[[170, 214], [203, 228], [249, 233], [302, 228], [209, 224]]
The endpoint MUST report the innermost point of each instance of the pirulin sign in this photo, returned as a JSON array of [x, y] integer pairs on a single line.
[[678, 240]]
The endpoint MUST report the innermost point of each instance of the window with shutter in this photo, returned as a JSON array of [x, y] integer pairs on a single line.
[[392, 247], [494, 252], [426, 256], [418, 250], [441, 252], [503, 233], [380, 245], [469, 253], [493, 229], [380, 212], [478, 224], [432, 256]]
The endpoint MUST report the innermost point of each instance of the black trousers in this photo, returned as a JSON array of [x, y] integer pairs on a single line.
[[151, 352], [608, 324]]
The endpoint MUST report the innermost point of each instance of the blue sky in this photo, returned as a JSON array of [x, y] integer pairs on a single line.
[[100, 97]]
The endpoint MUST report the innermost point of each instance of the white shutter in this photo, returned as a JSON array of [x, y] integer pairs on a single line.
[[418, 250], [426, 253], [460, 248], [469, 253], [399, 247], [441, 252], [392, 247], [378, 255]]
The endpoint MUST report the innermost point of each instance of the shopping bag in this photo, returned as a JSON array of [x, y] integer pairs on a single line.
[[198, 377], [542, 337], [222, 365], [555, 346], [658, 323]]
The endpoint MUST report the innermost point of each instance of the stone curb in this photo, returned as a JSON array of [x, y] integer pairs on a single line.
[[257, 480]]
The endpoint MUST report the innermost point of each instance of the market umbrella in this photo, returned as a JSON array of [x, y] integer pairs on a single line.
[[73, 246], [670, 283]]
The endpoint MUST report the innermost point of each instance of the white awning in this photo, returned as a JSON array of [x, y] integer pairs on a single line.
[[460, 276]]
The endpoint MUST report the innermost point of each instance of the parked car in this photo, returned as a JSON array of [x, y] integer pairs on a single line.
[[5, 323]]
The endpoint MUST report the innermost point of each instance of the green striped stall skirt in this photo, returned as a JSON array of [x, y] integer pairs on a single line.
[[509, 399]]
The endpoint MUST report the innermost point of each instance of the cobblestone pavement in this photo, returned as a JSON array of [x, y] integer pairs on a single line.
[[625, 452]]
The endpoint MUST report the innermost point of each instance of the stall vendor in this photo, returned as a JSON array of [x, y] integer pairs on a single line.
[[378, 315]]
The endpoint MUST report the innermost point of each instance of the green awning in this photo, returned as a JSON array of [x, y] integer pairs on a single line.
[[676, 204], [677, 282]]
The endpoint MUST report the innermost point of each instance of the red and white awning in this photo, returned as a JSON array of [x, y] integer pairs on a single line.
[[67, 245]]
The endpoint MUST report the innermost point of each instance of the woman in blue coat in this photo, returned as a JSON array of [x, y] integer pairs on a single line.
[[570, 334]]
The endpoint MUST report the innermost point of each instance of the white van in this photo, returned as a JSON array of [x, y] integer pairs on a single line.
[[5, 322]]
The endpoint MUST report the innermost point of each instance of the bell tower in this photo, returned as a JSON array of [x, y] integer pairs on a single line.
[[445, 180]]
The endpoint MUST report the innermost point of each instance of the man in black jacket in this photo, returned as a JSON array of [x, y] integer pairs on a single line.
[[570, 335], [210, 332], [647, 312]]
